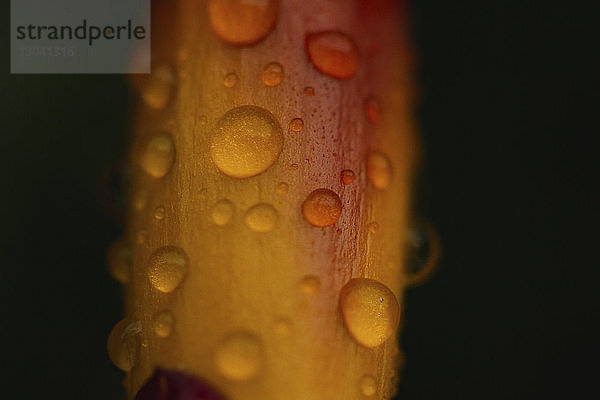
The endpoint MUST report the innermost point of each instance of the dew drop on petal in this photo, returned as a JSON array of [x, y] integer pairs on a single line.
[[242, 22], [322, 207], [167, 268], [333, 53]]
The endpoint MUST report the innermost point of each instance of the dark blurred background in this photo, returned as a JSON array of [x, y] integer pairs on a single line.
[[509, 114]]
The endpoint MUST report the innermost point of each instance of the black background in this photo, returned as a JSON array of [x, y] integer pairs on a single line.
[[509, 115]]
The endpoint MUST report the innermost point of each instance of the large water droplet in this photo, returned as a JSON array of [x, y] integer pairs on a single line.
[[167, 268], [370, 311], [176, 385], [124, 343], [159, 88], [310, 285], [246, 142], [368, 385], [296, 125], [261, 218], [162, 324], [379, 170], [240, 356], [333, 53], [156, 154], [242, 22], [272, 74], [348, 176], [119, 261], [322, 207], [222, 212]]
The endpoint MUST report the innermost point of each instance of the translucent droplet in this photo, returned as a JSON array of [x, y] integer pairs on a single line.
[[261, 218], [309, 91], [283, 188], [348, 176], [370, 311], [162, 324], [373, 110], [296, 125], [333, 53], [379, 170], [272, 74], [157, 154], [282, 326], [310, 285], [157, 91], [230, 80], [222, 212], [119, 261], [368, 385], [140, 199], [242, 22], [141, 236], [246, 142], [167, 268], [124, 343], [240, 356], [373, 227], [322, 207], [159, 213]]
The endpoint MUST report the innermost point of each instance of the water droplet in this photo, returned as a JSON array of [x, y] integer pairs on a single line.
[[202, 120], [283, 188], [230, 80], [282, 326], [261, 218], [141, 236], [157, 154], [240, 356], [333, 53], [159, 213], [242, 22], [163, 324], [246, 142], [309, 91], [176, 385], [310, 285], [379, 170], [124, 343], [373, 110], [368, 385], [272, 74], [140, 199], [348, 176], [296, 125], [159, 88], [222, 212], [370, 311], [373, 227], [119, 261], [424, 252], [166, 268], [322, 207]]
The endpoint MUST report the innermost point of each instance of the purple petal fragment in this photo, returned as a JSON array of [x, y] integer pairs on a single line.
[[174, 385]]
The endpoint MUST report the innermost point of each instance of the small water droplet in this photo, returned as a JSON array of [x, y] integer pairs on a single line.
[[282, 326], [222, 212], [140, 199], [373, 110], [283, 188], [368, 385], [157, 154], [240, 356], [261, 218], [296, 125], [242, 22], [333, 53], [272, 74], [119, 261], [124, 343], [162, 324], [373, 227], [176, 385], [159, 87], [348, 176], [167, 268], [370, 311], [310, 285], [379, 170], [159, 213], [230, 80], [246, 142], [322, 207], [309, 91], [141, 236]]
